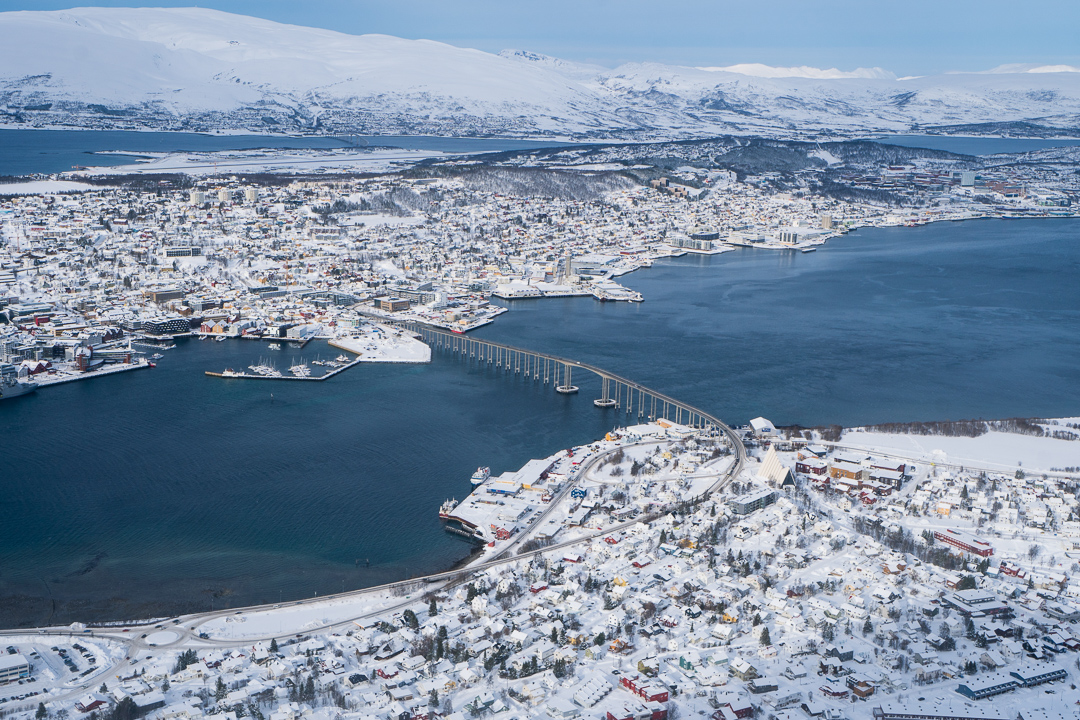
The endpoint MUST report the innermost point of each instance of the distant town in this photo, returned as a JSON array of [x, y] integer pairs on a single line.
[[85, 275]]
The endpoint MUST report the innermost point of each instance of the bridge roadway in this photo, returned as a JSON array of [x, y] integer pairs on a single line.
[[187, 627], [555, 369]]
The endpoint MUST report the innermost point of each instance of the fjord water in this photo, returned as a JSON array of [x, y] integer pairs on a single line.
[[943, 321], [976, 145], [161, 491]]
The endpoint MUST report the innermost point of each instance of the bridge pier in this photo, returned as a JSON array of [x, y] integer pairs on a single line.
[[605, 400], [567, 388]]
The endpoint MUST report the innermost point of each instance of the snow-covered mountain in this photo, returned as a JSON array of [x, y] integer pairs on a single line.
[[193, 68]]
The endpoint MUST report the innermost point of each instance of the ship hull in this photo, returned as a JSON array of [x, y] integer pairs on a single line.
[[7, 392]]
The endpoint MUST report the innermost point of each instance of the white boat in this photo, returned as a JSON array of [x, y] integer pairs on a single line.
[[300, 370], [274, 346], [481, 474], [220, 338]]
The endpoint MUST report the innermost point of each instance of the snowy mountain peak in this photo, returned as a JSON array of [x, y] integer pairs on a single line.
[[198, 69], [803, 71]]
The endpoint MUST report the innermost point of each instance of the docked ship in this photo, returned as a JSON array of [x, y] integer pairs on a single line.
[[10, 387], [459, 525], [481, 474]]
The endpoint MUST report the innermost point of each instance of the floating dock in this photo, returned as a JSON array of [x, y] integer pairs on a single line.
[[253, 376]]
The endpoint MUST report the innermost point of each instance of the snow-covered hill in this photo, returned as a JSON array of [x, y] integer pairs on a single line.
[[192, 68]]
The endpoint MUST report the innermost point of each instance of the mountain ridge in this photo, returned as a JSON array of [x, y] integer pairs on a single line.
[[197, 69]]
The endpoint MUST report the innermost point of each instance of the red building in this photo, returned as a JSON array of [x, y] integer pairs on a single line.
[[640, 687], [812, 466], [964, 541]]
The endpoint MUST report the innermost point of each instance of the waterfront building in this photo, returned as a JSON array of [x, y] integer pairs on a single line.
[[13, 667]]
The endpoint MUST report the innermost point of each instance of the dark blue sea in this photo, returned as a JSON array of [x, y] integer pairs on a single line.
[[976, 145], [163, 491]]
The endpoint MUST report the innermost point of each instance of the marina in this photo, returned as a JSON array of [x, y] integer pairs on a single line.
[[265, 372]]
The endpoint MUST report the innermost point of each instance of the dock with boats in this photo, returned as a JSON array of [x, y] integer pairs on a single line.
[[231, 374]]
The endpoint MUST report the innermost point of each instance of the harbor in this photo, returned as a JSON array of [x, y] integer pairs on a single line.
[[233, 375]]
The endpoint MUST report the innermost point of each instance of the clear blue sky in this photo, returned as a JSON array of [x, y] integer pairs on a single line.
[[911, 37]]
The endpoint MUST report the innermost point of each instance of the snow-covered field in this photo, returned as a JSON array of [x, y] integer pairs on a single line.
[[381, 343], [262, 161], [44, 187], [997, 450]]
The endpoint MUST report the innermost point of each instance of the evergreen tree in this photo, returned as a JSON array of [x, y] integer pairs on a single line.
[[764, 638], [600, 639], [868, 627], [554, 635], [124, 710], [433, 609], [273, 645], [41, 712], [219, 690], [410, 619], [433, 699]]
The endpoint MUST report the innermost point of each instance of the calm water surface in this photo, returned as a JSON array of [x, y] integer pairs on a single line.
[[164, 490], [976, 145]]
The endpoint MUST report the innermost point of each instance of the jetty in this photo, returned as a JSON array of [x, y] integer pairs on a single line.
[[252, 376]]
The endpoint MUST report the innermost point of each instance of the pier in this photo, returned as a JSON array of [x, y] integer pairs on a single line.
[[253, 376], [60, 379]]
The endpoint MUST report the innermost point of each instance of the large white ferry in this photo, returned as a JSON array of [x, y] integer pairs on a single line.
[[481, 474]]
